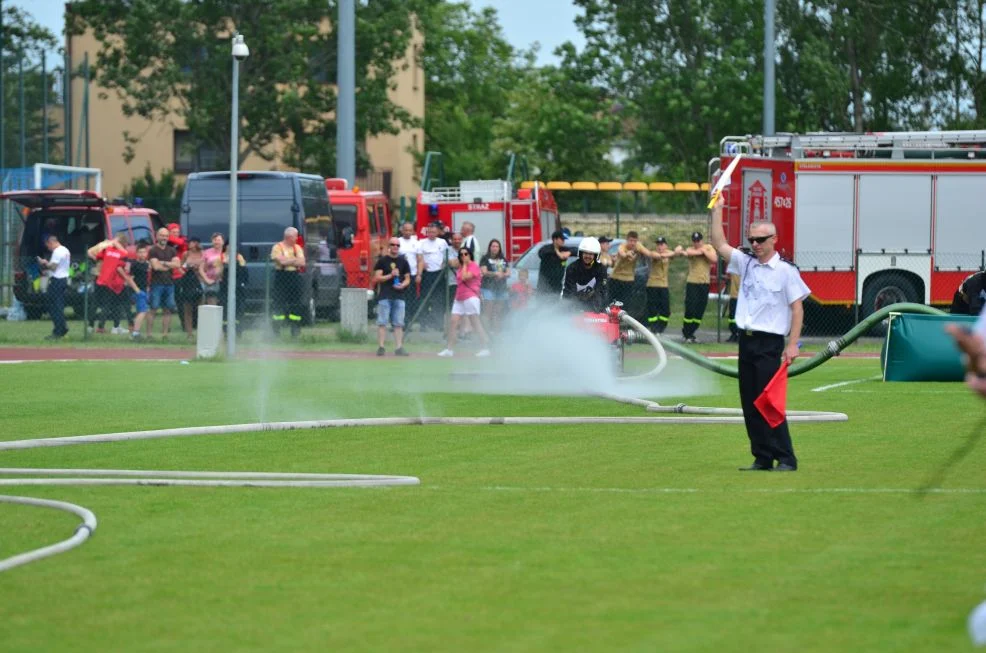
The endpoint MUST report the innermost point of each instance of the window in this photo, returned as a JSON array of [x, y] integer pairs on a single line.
[[318, 215], [192, 157]]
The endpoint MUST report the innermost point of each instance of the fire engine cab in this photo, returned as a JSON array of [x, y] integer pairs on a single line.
[[870, 219], [361, 220], [518, 219]]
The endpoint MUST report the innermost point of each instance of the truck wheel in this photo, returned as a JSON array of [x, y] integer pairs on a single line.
[[884, 290], [34, 312]]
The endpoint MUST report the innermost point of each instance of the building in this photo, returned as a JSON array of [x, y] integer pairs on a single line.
[[163, 145]]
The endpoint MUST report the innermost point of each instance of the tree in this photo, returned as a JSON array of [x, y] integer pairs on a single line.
[[161, 194], [470, 70], [170, 60], [23, 42], [559, 121]]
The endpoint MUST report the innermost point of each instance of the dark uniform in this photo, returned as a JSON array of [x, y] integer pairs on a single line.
[[551, 271], [763, 317], [970, 296], [696, 289], [587, 285], [658, 295], [734, 283], [286, 295]]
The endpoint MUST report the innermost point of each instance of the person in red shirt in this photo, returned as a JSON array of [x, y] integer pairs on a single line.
[[109, 299]]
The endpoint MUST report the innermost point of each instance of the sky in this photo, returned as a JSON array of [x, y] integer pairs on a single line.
[[549, 22]]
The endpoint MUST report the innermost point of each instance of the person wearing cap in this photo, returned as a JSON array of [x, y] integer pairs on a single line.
[[553, 258], [701, 256], [621, 283], [769, 307], [605, 258], [586, 279], [658, 295]]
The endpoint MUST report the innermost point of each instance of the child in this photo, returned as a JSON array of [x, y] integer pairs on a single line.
[[140, 271], [521, 291]]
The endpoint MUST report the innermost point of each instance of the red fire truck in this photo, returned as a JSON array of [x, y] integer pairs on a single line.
[[518, 219], [362, 220], [870, 219]]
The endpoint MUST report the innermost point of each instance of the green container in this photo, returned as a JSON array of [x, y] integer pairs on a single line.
[[917, 348]]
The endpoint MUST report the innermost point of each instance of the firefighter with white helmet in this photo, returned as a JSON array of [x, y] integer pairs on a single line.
[[586, 280]]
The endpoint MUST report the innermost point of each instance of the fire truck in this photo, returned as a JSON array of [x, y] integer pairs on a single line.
[[870, 219], [517, 218], [361, 220]]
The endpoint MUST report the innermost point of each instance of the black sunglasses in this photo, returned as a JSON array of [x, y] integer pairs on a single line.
[[395, 244], [759, 240]]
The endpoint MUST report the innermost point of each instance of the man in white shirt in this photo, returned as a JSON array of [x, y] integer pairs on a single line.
[[57, 268], [431, 261], [769, 307], [469, 239], [409, 250]]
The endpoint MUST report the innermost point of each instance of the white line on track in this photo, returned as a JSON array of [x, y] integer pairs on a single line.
[[690, 490], [823, 388]]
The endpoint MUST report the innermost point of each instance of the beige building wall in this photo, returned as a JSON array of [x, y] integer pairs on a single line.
[[156, 145]]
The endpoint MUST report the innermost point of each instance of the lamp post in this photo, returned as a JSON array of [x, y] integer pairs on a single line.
[[240, 52]]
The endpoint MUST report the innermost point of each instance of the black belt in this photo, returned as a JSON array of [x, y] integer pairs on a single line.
[[759, 334]]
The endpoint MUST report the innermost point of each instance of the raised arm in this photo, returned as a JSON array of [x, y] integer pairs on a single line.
[[718, 235]]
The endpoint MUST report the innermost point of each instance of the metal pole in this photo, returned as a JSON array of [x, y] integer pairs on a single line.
[[346, 105], [22, 113], [234, 156], [44, 104], [67, 105], [85, 106], [769, 53]]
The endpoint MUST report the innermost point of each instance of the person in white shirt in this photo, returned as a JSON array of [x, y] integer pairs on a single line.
[[432, 253], [768, 308], [409, 250], [57, 267], [469, 239]]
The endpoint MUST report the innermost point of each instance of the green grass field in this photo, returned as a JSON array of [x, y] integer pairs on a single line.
[[595, 538]]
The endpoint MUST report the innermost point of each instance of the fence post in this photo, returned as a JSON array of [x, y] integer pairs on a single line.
[[267, 320], [617, 215]]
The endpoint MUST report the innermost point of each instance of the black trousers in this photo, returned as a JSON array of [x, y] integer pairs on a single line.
[[620, 291], [759, 358], [56, 306], [432, 312], [696, 299], [658, 309], [109, 305], [286, 300]]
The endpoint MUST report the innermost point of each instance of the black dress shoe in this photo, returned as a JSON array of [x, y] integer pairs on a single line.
[[756, 468], [782, 467]]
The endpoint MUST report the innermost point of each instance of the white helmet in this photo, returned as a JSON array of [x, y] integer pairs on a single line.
[[590, 245]]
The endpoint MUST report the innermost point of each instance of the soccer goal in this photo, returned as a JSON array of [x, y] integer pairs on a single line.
[[49, 175]]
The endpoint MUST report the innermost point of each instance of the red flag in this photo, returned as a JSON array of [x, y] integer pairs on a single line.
[[772, 402]]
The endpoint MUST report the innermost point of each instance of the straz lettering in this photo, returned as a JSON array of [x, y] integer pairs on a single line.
[[478, 207]]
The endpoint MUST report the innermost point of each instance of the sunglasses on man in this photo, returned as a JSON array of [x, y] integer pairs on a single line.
[[759, 240]]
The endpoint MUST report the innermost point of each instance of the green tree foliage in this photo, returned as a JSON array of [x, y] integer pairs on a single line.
[[470, 69], [23, 42], [162, 194], [170, 60]]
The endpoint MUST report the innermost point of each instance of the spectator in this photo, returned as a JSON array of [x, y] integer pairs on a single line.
[[521, 291], [553, 258], [190, 285], [164, 261], [605, 258], [452, 257], [466, 304], [392, 276], [409, 250], [110, 283], [494, 287], [624, 265], [432, 255], [58, 269], [289, 259], [701, 256], [469, 239], [242, 276], [140, 275], [211, 270]]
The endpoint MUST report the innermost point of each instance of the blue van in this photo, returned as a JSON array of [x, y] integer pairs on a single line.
[[269, 203]]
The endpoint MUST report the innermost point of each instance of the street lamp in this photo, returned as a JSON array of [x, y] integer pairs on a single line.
[[240, 52]]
